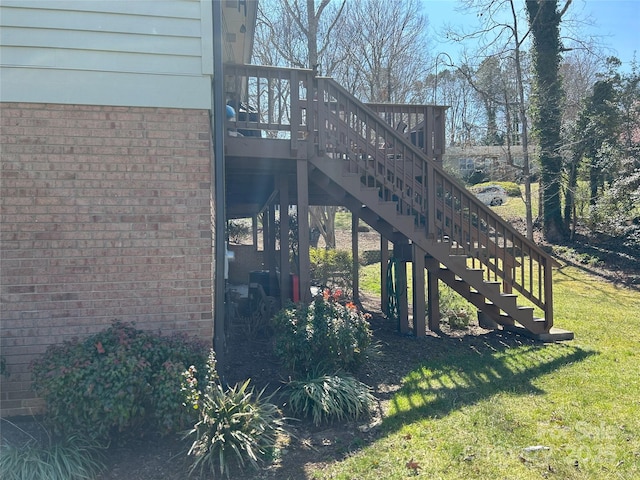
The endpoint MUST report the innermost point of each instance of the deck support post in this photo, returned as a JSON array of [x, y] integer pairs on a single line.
[[433, 295], [302, 173], [355, 266], [284, 239], [400, 253], [269, 238], [384, 266], [254, 230], [419, 325]]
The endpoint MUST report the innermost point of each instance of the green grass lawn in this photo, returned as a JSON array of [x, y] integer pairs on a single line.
[[470, 410], [514, 206]]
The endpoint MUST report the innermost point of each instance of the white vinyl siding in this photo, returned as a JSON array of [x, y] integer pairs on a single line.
[[106, 52]]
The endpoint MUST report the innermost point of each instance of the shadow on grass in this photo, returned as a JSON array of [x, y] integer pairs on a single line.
[[466, 370]]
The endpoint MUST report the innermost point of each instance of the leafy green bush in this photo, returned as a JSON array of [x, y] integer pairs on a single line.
[[330, 267], [75, 458], [369, 257], [330, 397], [512, 189], [234, 423], [115, 380], [457, 319], [455, 309], [323, 335]]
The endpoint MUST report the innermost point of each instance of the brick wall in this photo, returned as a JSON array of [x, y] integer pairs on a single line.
[[105, 214], [246, 259]]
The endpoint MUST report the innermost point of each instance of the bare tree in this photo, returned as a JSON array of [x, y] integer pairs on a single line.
[[386, 49], [499, 36], [299, 34]]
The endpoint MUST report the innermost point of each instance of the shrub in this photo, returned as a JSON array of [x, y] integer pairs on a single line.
[[369, 257], [115, 380], [457, 319], [233, 423], [512, 189], [73, 459], [330, 267], [330, 397], [323, 335]]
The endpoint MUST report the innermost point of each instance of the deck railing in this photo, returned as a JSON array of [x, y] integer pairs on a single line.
[[398, 150]]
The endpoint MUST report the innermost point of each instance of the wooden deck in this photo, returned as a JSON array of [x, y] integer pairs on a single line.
[[302, 140]]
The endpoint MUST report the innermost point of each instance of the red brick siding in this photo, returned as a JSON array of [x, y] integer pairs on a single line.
[[246, 259], [105, 214]]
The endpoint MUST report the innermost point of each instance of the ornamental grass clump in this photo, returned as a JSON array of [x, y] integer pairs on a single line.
[[234, 424], [324, 335], [75, 458], [330, 397]]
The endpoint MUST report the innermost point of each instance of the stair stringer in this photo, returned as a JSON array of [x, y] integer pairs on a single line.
[[330, 175]]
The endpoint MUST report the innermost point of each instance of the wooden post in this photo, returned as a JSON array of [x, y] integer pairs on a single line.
[[303, 230], [254, 231], [402, 254], [433, 296], [384, 265], [355, 266], [270, 240], [284, 239], [419, 326], [403, 300]]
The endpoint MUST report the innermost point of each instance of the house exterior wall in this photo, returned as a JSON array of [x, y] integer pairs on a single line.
[[105, 215], [105, 181], [133, 53]]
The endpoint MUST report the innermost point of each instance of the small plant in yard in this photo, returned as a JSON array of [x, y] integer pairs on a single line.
[[457, 319], [330, 397], [323, 335], [331, 267], [116, 380], [75, 458], [236, 423]]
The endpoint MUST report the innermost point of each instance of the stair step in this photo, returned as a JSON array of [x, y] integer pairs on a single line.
[[553, 335], [458, 260]]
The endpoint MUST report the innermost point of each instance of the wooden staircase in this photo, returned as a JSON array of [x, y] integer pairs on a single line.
[[392, 178]]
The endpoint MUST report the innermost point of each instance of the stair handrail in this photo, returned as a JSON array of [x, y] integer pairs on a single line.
[[483, 213]]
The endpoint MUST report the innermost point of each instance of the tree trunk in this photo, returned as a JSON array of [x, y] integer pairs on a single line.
[[544, 19]]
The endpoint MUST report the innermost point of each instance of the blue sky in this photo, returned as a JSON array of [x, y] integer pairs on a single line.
[[615, 22]]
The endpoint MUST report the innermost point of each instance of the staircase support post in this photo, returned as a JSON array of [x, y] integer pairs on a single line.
[[302, 172], [270, 241], [355, 266], [433, 295], [400, 251], [284, 239], [254, 231], [419, 326], [384, 266], [403, 301]]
